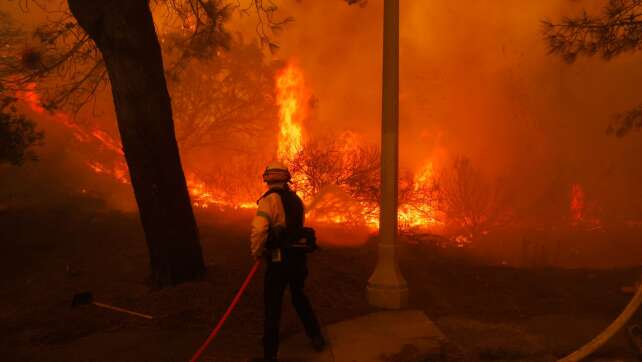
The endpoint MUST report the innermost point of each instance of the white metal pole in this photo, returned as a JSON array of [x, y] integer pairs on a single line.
[[387, 287]]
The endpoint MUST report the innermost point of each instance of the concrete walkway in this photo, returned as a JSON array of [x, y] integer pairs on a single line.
[[384, 336]]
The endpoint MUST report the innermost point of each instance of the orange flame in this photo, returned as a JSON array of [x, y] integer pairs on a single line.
[[421, 214], [203, 196], [577, 204], [32, 99], [583, 213], [290, 94], [118, 171]]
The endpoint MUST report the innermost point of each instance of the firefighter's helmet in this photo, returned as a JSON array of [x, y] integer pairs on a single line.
[[276, 172]]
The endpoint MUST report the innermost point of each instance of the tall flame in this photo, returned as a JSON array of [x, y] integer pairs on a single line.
[[290, 94]]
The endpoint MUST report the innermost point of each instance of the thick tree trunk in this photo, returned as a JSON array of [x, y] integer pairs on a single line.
[[124, 32]]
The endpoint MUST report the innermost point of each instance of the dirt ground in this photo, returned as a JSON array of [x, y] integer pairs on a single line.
[[491, 313]]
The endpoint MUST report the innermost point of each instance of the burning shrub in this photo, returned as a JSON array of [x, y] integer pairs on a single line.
[[339, 175], [338, 160], [472, 203], [341, 172]]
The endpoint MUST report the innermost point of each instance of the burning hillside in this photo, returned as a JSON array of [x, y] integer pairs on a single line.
[[499, 155], [336, 174], [347, 173]]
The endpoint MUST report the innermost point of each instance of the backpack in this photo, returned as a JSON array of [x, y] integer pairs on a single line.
[[294, 235]]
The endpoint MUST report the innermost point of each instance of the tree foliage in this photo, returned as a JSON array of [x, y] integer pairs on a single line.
[[18, 137], [58, 56], [239, 104], [617, 30], [626, 122], [18, 134], [64, 62]]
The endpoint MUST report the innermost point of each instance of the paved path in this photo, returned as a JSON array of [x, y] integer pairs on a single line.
[[383, 336]]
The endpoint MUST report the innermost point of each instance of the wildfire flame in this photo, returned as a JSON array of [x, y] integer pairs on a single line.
[[418, 211], [32, 99], [291, 96], [204, 196], [118, 171], [583, 214], [577, 204], [420, 214], [290, 93]]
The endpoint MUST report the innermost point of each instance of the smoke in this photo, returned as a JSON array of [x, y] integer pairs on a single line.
[[477, 80]]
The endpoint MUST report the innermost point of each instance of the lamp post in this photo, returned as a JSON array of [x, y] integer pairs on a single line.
[[387, 287]]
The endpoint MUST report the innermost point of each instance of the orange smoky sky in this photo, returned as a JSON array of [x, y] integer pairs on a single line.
[[476, 80]]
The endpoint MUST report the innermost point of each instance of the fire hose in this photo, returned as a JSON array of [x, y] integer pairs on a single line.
[[229, 310], [609, 332]]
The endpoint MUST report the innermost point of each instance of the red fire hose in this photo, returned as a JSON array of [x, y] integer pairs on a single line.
[[235, 301]]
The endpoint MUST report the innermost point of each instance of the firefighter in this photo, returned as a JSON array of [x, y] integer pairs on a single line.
[[278, 236]]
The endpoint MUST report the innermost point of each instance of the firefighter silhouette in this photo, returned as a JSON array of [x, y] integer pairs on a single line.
[[279, 236]]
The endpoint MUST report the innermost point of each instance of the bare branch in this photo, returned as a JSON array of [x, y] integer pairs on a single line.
[[626, 122]]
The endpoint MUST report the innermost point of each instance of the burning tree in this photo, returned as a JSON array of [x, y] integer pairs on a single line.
[[617, 30]]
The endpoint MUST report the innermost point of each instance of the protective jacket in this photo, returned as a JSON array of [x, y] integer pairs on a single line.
[[270, 212], [278, 224]]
